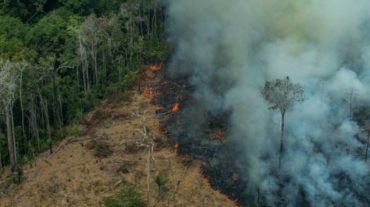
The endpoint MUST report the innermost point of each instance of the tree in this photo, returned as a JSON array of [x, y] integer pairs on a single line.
[[77, 51], [160, 180], [8, 89], [148, 143], [282, 94]]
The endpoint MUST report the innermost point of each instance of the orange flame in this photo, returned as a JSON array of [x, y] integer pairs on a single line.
[[149, 93], [155, 67], [177, 146], [176, 107]]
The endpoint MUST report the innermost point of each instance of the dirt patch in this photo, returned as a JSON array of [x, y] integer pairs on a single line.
[[75, 176]]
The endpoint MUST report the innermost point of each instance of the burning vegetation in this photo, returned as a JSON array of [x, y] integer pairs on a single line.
[[155, 67], [283, 157], [176, 107], [170, 97], [312, 149]]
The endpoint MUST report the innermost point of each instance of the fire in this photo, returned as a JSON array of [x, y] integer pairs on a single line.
[[186, 157], [176, 107], [149, 93], [177, 146], [155, 67]]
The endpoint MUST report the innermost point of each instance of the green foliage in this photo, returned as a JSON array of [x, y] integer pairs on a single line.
[[128, 196], [15, 178], [49, 35], [74, 52], [67, 132], [157, 51], [3, 148], [161, 179], [127, 80], [44, 145], [85, 7], [12, 30]]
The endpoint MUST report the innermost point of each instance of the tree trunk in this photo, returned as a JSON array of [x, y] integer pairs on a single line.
[[1, 163], [141, 15], [22, 108], [61, 118], [148, 176], [94, 57], [154, 19], [44, 107], [13, 131], [34, 123], [84, 65], [11, 143], [282, 137]]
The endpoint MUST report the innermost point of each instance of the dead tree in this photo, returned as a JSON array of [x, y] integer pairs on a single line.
[[282, 94], [148, 143]]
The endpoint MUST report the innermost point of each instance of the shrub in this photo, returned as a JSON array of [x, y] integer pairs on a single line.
[[161, 179], [128, 196], [15, 178], [101, 148], [67, 132]]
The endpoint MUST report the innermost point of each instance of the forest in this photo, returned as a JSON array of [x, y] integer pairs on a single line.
[[59, 58], [264, 102]]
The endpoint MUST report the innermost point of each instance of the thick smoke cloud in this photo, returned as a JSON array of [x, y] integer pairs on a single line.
[[231, 48]]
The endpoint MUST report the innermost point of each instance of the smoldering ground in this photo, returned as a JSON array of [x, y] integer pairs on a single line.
[[229, 49]]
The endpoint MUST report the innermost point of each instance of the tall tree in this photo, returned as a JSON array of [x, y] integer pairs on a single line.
[[78, 51], [282, 94], [8, 89]]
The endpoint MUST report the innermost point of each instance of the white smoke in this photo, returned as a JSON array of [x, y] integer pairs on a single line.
[[231, 48]]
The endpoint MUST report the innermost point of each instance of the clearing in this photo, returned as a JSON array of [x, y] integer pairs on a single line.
[[112, 150]]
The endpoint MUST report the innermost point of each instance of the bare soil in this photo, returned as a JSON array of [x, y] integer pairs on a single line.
[[77, 175]]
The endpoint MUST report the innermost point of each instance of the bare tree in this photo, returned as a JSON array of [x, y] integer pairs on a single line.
[[148, 143], [89, 40], [282, 94]]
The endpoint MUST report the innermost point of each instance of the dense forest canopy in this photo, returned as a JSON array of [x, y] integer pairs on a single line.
[[57, 58]]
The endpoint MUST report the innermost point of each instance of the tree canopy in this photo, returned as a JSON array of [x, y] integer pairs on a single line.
[[58, 58], [282, 94]]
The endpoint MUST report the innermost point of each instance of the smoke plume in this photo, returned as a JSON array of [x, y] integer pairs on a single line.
[[229, 49]]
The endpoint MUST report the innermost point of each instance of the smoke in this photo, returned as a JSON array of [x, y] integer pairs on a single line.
[[229, 49]]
